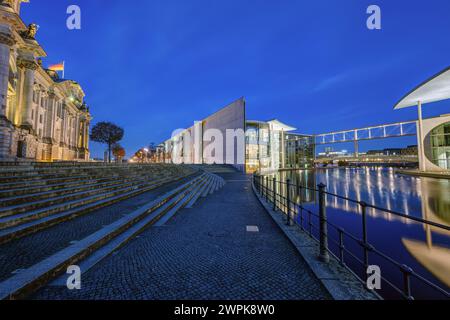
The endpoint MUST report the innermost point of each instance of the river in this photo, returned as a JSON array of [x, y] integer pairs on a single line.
[[424, 249]]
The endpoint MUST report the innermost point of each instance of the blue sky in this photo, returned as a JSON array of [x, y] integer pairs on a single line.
[[154, 66]]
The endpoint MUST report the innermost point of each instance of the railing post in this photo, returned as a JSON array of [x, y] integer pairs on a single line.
[[300, 203], [341, 246], [274, 185], [323, 255], [280, 195], [290, 221], [309, 224], [364, 234], [260, 185], [267, 188], [407, 271]]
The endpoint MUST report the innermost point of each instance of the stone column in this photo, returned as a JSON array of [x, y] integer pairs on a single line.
[[86, 135], [30, 67], [50, 116], [6, 42], [77, 131], [64, 115]]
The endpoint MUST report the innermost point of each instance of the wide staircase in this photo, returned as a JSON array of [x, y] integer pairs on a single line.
[[37, 196]]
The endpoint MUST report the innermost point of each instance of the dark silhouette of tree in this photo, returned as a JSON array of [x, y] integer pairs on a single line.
[[108, 133]]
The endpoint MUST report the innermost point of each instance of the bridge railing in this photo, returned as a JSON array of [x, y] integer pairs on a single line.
[[390, 130], [316, 226]]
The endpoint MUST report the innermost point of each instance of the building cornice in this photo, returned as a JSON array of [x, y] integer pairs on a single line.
[[7, 39], [27, 64], [9, 17]]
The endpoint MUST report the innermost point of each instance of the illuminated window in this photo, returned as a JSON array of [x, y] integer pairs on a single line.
[[440, 146]]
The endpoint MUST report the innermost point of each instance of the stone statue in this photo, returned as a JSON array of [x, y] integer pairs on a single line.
[[31, 32], [8, 2]]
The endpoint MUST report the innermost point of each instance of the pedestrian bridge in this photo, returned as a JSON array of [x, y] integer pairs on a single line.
[[391, 130]]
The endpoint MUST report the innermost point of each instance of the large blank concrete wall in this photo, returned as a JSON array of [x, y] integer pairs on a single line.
[[230, 117]]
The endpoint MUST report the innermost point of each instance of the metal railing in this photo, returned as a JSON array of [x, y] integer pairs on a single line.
[[296, 213]]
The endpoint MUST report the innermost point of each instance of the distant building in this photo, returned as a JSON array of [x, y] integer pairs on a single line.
[[329, 153], [410, 151], [42, 117], [374, 152], [392, 152], [268, 145]]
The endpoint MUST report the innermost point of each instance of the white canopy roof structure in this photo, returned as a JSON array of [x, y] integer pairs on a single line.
[[434, 89], [280, 126]]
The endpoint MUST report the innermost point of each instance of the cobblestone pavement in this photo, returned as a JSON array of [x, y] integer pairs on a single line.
[[24, 252], [204, 253]]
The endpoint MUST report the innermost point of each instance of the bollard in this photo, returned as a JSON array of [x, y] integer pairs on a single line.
[[323, 255], [274, 184]]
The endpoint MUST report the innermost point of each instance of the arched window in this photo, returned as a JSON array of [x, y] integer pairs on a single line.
[[440, 145]]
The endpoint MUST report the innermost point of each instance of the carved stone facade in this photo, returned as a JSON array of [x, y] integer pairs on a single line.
[[42, 117]]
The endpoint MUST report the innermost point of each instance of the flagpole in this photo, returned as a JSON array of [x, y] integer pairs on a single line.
[[64, 69]]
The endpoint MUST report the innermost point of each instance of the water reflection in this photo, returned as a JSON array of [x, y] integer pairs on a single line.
[[426, 198], [379, 186], [435, 207]]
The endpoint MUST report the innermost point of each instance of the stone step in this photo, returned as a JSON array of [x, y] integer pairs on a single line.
[[13, 215], [49, 187], [37, 177], [24, 184], [118, 233], [207, 190], [213, 186], [65, 190], [32, 175], [4, 172], [66, 198], [30, 193], [65, 214], [43, 180], [194, 199], [185, 199], [42, 170]]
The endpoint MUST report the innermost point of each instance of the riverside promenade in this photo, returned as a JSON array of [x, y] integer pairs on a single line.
[[225, 247]]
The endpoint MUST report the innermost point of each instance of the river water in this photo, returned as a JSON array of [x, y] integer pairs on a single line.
[[424, 249]]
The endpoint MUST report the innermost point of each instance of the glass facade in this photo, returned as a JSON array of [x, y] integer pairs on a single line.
[[440, 146], [258, 146], [299, 151], [270, 149]]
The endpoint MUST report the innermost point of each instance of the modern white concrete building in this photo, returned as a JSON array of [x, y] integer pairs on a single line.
[[246, 144], [433, 134]]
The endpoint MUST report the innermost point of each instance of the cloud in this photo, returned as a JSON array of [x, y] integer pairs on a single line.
[[330, 82]]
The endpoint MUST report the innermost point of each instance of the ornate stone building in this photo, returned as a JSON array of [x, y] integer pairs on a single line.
[[42, 117]]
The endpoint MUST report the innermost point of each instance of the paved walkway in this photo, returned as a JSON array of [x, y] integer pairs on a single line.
[[29, 250], [204, 253]]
